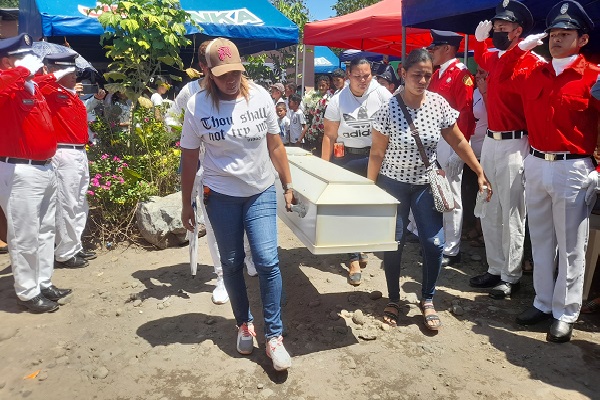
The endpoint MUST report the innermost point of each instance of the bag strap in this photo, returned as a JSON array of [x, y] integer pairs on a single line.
[[413, 131]]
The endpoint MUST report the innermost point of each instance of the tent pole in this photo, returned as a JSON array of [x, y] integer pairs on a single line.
[[296, 74], [466, 49], [303, 68], [403, 44]]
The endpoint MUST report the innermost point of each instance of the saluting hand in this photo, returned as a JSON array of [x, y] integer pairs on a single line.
[[483, 30], [532, 41], [61, 73], [31, 62]]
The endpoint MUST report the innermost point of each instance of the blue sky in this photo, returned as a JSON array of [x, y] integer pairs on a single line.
[[320, 9]]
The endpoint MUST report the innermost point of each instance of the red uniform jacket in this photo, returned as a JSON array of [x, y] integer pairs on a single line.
[[504, 105], [26, 130], [456, 86], [69, 115], [562, 116]]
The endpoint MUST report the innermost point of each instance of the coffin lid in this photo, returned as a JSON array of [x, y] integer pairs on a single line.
[[324, 183]]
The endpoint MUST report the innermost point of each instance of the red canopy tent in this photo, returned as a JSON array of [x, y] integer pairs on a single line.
[[377, 28]]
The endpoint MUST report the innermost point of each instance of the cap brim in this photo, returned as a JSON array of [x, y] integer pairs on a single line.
[[563, 25], [223, 69]]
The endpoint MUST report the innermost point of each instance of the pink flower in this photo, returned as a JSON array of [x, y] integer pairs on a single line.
[[104, 156], [107, 184], [98, 176], [125, 165], [95, 182], [91, 193], [115, 158], [146, 119]]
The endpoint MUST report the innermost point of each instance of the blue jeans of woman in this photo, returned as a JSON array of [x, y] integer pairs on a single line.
[[419, 199], [356, 163], [257, 215]]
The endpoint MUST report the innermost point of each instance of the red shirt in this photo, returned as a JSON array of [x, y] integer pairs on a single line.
[[456, 86], [69, 115], [562, 116], [504, 105], [26, 128]]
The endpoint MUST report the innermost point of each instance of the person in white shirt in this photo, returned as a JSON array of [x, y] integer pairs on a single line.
[[284, 122], [348, 123], [236, 122], [297, 121], [175, 118], [277, 91], [162, 88]]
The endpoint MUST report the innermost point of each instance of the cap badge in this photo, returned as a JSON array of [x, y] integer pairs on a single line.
[[505, 3], [564, 8], [448, 80], [224, 51], [27, 40]]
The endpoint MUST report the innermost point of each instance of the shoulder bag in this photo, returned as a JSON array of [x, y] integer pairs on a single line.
[[440, 187]]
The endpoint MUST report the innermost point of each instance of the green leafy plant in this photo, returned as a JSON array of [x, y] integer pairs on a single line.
[[140, 36]]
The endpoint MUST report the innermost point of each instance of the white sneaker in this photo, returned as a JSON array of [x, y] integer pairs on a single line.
[[245, 338], [276, 352], [251, 269], [219, 295]]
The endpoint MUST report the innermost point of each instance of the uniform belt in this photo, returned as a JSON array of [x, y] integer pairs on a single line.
[[556, 157], [12, 160], [358, 150], [506, 134], [71, 146]]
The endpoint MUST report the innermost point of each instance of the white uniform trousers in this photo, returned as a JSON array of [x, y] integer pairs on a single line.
[[558, 216], [504, 222], [73, 179], [28, 198], [452, 219], [210, 234]]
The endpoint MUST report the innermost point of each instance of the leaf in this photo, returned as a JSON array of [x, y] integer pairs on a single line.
[[33, 375], [145, 102]]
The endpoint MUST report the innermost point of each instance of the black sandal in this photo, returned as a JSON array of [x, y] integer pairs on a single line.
[[432, 321], [392, 316]]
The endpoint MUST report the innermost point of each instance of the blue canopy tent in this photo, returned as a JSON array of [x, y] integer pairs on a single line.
[[463, 16], [254, 26], [326, 61]]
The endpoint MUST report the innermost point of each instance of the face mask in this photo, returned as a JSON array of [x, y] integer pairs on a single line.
[[501, 41]]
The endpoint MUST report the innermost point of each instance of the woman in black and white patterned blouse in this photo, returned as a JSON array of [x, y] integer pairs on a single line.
[[397, 167]]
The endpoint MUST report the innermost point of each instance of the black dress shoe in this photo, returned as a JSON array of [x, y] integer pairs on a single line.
[[39, 304], [53, 293], [4, 249], [532, 316], [448, 261], [486, 280], [73, 262], [504, 290], [87, 254], [560, 332]]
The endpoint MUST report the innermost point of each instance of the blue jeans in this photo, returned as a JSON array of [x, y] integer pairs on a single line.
[[257, 215], [358, 164], [419, 199]]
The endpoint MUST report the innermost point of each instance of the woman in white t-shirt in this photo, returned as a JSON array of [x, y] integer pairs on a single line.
[[347, 125], [396, 165], [235, 120]]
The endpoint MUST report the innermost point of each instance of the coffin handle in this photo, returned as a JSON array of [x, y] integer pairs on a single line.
[[300, 209]]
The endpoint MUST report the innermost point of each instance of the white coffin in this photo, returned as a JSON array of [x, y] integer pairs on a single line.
[[338, 211]]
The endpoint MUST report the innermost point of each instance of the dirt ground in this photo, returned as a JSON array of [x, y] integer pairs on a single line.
[[138, 327]]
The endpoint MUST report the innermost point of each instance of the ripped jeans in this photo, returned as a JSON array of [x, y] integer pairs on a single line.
[[419, 199]]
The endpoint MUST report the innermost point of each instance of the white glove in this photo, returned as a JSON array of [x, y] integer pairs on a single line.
[[31, 62], [532, 41], [61, 73], [483, 30], [592, 185], [455, 166]]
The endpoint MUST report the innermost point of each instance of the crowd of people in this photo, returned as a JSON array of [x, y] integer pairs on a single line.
[[522, 133]]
